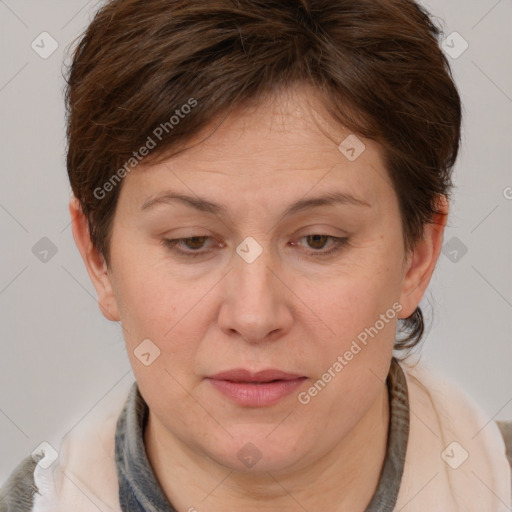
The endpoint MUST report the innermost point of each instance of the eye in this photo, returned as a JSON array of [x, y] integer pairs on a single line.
[[192, 246], [318, 242], [194, 243]]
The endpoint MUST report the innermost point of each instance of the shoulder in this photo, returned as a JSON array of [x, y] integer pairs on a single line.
[[455, 415], [506, 431], [17, 493], [86, 458], [86, 455]]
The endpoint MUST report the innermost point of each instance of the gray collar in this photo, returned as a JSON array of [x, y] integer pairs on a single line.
[[139, 490]]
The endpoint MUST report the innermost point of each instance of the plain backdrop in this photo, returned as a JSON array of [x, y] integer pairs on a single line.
[[60, 358]]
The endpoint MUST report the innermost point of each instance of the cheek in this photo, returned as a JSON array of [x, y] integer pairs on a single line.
[[353, 299], [157, 310], [155, 305], [359, 310], [356, 333], [352, 361]]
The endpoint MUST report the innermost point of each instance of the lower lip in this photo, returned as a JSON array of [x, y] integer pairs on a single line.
[[257, 395]]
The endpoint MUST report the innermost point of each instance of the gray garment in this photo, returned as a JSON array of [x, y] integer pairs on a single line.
[[17, 493], [139, 490]]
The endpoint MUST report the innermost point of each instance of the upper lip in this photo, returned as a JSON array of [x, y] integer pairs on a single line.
[[242, 375]]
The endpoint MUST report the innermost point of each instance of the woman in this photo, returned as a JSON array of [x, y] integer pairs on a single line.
[[260, 194]]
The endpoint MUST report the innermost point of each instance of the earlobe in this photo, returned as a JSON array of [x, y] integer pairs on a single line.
[[94, 262], [422, 261]]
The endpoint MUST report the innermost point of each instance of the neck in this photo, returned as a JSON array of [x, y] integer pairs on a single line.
[[347, 476]]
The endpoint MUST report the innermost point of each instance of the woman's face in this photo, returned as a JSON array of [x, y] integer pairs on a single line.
[[264, 285]]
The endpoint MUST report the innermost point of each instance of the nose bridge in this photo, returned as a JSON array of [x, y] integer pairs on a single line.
[[251, 304], [251, 273]]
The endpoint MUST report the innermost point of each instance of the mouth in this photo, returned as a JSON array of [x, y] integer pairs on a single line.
[[259, 389]]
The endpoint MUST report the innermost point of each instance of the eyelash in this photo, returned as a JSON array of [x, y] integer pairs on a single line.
[[171, 243]]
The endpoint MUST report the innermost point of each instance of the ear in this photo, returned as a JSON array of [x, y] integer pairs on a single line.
[[94, 262], [422, 260]]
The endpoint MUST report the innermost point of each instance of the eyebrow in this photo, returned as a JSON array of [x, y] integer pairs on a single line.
[[204, 205]]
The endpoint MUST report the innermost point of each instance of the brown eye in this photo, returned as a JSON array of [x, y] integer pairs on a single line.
[[193, 246], [195, 242], [317, 241]]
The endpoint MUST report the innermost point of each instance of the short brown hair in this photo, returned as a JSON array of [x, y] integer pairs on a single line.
[[140, 60]]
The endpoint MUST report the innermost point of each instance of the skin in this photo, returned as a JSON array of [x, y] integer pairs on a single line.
[[288, 309]]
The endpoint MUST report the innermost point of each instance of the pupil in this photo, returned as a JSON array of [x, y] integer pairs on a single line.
[[192, 242], [316, 238]]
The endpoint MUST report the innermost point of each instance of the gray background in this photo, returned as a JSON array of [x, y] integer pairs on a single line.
[[60, 358]]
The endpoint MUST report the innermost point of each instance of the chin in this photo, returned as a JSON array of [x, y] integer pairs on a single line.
[[256, 449]]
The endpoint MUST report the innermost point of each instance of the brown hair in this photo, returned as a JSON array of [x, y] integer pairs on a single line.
[[140, 61]]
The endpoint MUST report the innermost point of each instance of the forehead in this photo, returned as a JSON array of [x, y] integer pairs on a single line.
[[280, 149]]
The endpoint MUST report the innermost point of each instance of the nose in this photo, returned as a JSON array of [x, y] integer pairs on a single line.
[[256, 300]]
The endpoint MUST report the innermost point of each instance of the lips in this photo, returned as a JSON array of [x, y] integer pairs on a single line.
[[241, 375], [258, 389]]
